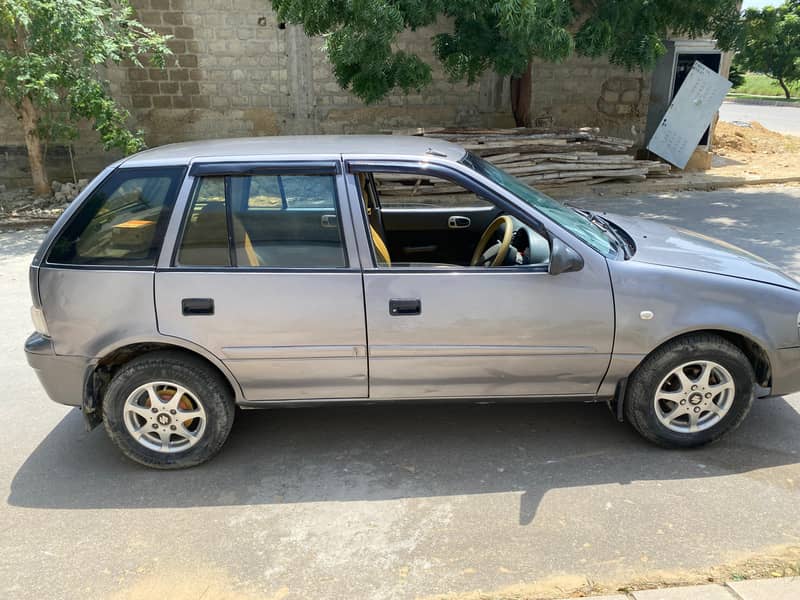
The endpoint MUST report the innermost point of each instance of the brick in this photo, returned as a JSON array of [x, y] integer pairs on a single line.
[[188, 61], [184, 33], [225, 34], [200, 102], [181, 101], [177, 4], [177, 46], [137, 74], [178, 75], [168, 87], [159, 4], [172, 18], [144, 87], [162, 101], [219, 101], [151, 18], [189, 88], [141, 101], [157, 74]]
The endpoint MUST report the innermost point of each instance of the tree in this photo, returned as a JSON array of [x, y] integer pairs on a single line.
[[736, 75], [501, 35], [51, 53], [770, 43]]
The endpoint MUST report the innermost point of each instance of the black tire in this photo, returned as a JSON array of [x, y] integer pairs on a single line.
[[195, 375], [642, 386]]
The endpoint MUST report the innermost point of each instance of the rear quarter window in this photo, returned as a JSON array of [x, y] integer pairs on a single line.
[[122, 222]]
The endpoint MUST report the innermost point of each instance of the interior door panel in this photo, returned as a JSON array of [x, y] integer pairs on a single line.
[[440, 235]]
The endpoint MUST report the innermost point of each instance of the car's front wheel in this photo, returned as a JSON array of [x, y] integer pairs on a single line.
[[167, 410], [690, 391]]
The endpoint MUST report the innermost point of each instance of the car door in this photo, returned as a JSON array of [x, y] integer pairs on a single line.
[[264, 276], [453, 331]]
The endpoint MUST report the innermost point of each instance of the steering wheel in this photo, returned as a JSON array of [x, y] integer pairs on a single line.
[[495, 254]]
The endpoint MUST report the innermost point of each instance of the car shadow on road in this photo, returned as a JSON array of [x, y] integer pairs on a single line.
[[340, 454]]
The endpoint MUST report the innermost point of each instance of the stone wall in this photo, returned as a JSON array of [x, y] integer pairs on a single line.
[[236, 71]]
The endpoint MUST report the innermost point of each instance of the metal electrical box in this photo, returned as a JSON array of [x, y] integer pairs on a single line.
[[670, 72], [689, 116]]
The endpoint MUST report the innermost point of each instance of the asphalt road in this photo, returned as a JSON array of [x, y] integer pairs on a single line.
[[394, 502], [785, 119]]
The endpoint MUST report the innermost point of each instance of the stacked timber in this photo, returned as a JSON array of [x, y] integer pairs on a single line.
[[553, 157]]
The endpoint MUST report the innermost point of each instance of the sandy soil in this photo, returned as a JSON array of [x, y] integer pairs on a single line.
[[779, 561], [754, 151]]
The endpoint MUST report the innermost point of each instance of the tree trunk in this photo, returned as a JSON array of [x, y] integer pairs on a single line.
[[785, 89], [30, 121], [521, 90]]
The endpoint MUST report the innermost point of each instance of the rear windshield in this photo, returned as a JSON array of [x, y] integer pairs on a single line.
[[122, 222]]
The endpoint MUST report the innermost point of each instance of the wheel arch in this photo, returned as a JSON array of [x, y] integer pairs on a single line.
[[753, 349], [615, 388], [108, 362]]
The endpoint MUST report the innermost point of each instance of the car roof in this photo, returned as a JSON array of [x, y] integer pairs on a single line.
[[297, 145]]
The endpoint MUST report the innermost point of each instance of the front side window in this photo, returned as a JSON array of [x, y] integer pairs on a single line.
[[417, 220], [422, 190], [123, 222], [266, 221], [569, 219]]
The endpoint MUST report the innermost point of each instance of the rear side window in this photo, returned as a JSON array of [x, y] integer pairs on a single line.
[[123, 221], [266, 221]]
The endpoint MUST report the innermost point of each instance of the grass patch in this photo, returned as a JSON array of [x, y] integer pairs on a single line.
[[756, 84]]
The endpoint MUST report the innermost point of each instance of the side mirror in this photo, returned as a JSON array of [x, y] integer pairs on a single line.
[[563, 259]]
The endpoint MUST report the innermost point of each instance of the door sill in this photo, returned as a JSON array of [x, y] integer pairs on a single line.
[[255, 404]]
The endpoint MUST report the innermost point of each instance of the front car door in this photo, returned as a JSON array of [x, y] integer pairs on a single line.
[[264, 275], [453, 331]]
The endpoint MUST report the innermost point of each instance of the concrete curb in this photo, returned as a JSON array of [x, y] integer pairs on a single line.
[[765, 102], [672, 185], [782, 588]]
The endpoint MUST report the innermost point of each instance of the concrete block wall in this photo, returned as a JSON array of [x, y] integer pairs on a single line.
[[235, 71], [591, 92]]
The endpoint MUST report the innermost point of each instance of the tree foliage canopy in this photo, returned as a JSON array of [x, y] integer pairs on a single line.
[[501, 35], [51, 56], [770, 43]]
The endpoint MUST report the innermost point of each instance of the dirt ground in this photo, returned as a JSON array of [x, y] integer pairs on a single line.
[[743, 151]]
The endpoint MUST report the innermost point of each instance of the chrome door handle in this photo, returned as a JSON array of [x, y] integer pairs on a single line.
[[459, 222], [329, 221]]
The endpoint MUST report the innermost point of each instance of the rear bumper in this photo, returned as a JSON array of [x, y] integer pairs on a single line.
[[62, 377], [786, 371]]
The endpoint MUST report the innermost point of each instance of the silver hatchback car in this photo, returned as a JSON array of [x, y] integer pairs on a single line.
[[193, 278]]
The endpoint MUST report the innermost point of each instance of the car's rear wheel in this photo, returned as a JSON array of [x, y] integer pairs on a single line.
[[168, 410], [690, 392]]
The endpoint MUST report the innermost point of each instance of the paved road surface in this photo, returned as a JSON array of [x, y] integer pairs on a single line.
[[392, 502], [785, 119]]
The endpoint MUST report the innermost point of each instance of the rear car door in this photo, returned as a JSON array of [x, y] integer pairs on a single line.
[[449, 331], [264, 276]]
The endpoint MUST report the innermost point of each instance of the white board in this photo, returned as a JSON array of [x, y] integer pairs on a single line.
[[689, 115]]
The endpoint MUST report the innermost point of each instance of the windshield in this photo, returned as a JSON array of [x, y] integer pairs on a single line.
[[578, 224]]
